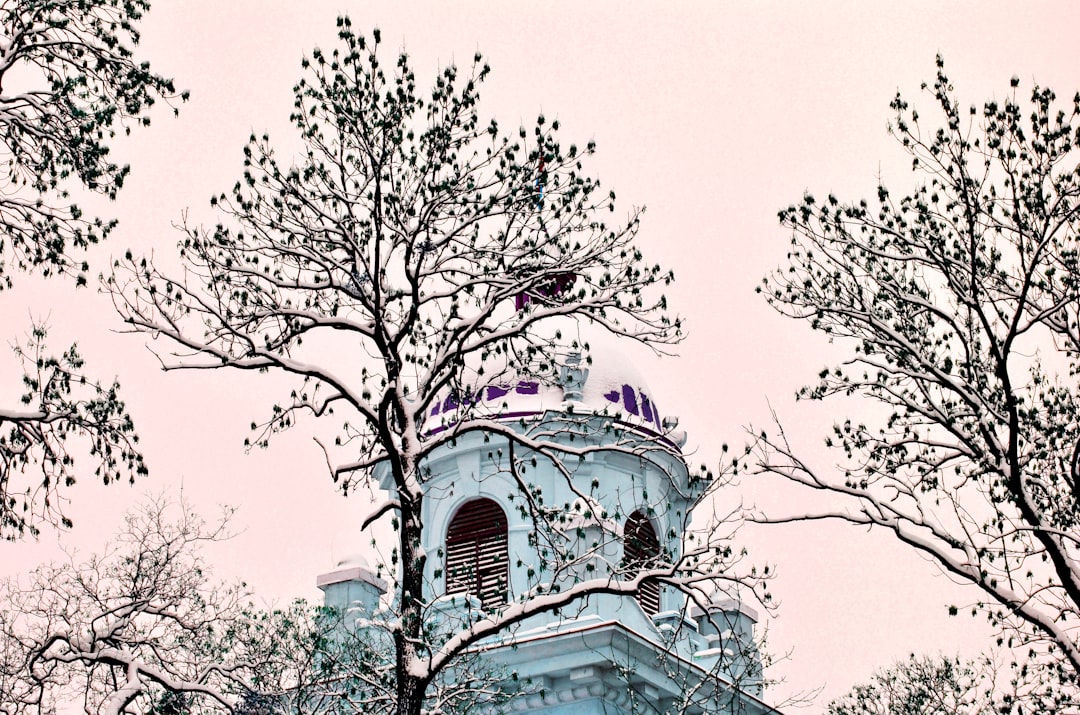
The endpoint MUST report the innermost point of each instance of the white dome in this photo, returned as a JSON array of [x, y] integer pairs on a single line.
[[353, 560], [616, 387], [612, 386]]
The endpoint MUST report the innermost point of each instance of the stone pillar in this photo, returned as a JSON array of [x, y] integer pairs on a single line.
[[728, 627], [353, 589]]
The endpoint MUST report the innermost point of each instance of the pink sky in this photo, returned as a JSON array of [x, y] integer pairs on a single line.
[[713, 115]]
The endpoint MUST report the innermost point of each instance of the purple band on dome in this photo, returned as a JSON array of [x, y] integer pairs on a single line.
[[630, 399], [494, 392], [646, 408]]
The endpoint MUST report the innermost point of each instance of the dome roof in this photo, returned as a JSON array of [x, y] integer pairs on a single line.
[[615, 387], [352, 561], [603, 383]]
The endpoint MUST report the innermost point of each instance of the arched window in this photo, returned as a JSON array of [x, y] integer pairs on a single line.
[[477, 555], [641, 549]]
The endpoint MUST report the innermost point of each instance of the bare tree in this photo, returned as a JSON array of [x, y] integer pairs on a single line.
[[942, 685], [921, 686], [69, 80], [957, 306], [145, 627], [414, 270], [123, 627]]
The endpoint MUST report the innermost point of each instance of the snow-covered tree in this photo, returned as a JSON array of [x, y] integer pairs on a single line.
[[411, 267], [958, 307], [69, 80], [943, 685], [921, 686], [146, 627], [124, 627]]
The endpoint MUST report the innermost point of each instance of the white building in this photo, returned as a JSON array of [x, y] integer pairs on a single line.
[[612, 512]]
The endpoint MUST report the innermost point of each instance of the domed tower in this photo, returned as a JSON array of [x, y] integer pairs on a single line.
[[502, 518], [576, 485]]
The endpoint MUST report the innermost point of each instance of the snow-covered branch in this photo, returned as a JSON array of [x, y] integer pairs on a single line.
[[942, 297]]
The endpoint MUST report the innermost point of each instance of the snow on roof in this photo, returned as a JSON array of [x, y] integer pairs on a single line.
[[353, 560], [612, 386]]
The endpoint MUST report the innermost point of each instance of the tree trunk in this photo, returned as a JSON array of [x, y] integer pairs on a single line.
[[410, 687]]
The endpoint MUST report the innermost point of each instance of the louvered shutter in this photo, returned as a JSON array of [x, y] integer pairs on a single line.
[[477, 553], [641, 548]]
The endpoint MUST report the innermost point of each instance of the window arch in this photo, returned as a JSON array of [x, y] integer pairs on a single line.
[[641, 549], [477, 552]]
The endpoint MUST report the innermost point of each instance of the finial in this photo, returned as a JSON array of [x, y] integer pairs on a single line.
[[572, 376]]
